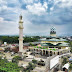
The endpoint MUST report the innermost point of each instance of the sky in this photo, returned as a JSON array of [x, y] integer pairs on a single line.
[[38, 16]]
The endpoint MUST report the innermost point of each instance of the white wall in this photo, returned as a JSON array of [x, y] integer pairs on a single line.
[[54, 61]]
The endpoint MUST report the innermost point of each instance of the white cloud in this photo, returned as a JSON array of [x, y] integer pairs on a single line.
[[3, 2], [45, 5], [63, 3], [51, 8], [3, 5], [1, 19], [8, 27], [66, 3], [37, 8], [28, 1]]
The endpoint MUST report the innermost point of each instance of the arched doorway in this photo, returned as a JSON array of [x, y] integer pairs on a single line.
[[58, 53], [34, 49], [43, 52], [50, 53], [46, 53], [54, 53], [40, 52]]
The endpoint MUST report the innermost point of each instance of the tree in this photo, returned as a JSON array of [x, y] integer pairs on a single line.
[[0, 57], [70, 67], [12, 67], [16, 59], [7, 49], [70, 44], [34, 61], [6, 66], [30, 66], [65, 60], [14, 39], [31, 44]]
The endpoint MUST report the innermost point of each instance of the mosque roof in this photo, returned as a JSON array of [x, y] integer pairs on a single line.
[[50, 44], [54, 39]]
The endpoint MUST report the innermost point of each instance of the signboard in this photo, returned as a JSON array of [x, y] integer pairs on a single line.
[[54, 61]]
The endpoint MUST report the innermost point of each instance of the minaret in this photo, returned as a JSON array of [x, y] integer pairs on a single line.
[[20, 35]]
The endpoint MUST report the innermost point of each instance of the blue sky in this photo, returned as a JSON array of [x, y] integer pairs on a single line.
[[38, 16]]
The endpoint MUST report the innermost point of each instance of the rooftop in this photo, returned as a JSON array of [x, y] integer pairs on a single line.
[[54, 39], [50, 44]]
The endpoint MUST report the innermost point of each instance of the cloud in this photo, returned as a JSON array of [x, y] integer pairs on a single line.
[[51, 9], [37, 8], [63, 3], [1, 19], [8, 27], [38, 16], [28, 1], [3, 6], [3, 2]]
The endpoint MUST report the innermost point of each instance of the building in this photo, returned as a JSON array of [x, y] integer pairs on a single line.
[[52, 45], [1, 50], [20, 35]]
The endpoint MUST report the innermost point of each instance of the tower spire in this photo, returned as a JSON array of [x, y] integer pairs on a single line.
[[20, 35], [20, 17]]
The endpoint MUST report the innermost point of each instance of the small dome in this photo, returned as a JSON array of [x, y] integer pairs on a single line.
[[52, 30]]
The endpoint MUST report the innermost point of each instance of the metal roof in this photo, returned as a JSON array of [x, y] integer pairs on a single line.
[[53, 39], [50, 44]]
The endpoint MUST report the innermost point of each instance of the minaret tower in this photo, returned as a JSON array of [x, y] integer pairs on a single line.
[[20, 35]]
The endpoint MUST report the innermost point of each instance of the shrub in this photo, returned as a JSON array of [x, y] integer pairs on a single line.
[[70, 67], [34, 61], [41, 63], [31, 66], [16, 59]]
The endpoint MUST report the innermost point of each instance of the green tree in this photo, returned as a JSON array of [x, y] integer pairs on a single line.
[[70, 67], [31, 44], [34, 61], [31, 66], [0, 57], [6, 66], [70, 44], [14, 39], [16, 59], [64, 60]]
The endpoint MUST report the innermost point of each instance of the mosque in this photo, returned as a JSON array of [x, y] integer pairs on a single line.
[[52, 45]]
